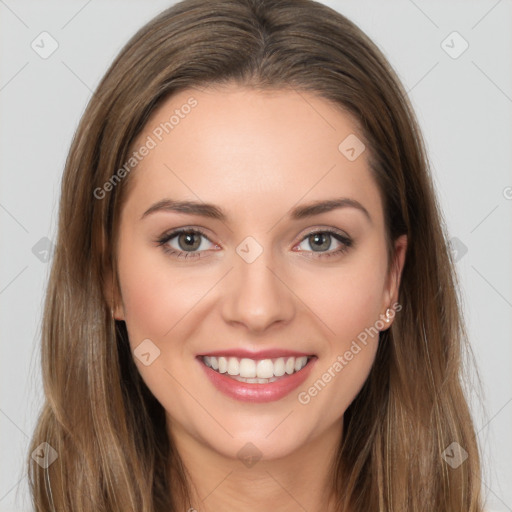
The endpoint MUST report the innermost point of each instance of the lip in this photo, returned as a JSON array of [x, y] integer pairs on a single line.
[[271, 353], [257, 393]]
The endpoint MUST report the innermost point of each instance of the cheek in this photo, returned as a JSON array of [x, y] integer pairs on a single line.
[[350, 307], [347, 299], [155, 295], [338, 382]]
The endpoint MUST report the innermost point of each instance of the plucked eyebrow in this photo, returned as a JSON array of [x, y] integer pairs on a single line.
[[215, 212]]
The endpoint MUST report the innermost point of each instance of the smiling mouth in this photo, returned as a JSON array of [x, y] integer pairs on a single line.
[[263, 371]]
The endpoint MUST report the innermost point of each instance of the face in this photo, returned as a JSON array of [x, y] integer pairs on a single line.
[[264, 288]]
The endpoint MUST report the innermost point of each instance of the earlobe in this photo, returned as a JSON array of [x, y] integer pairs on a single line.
[[117, 313]]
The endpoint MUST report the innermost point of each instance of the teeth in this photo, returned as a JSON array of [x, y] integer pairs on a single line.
[[223, 364], [247, 368], [254, 381], [254, 371], [233, 366], [298, 364], [289, 365], [264, 369], [279, 369]]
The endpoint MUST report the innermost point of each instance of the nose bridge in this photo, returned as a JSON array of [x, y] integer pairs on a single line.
[[258, 298]]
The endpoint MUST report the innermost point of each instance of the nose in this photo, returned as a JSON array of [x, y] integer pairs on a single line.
[[257, 294]]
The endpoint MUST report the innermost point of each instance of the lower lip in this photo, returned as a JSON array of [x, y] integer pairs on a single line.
[[258, 393]]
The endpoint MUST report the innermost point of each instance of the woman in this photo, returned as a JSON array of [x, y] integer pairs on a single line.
[[252, 304]]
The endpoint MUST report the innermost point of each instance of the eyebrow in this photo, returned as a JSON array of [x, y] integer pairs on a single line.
[[215, 212]]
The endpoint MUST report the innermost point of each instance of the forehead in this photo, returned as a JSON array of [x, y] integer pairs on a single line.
[[249, 149]]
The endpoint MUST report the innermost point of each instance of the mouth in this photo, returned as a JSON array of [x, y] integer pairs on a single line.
[[256, 371], [256, 380]]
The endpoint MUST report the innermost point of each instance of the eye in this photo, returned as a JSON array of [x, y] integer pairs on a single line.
[[322, 240], [188, 243]]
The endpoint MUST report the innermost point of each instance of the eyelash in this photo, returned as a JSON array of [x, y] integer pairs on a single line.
[[162, 241]]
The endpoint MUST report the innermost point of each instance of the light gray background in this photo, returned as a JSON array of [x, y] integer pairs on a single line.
[[464, 107]]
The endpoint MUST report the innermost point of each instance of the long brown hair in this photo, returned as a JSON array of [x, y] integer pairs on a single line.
[[103, 422]]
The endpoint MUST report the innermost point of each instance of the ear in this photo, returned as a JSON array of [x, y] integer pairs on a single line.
[[395, 273], [111, 295]]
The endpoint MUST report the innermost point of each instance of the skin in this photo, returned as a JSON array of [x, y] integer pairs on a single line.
[[264, 153]]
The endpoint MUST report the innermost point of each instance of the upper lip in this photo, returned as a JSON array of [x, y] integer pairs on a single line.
[[270, 353]]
